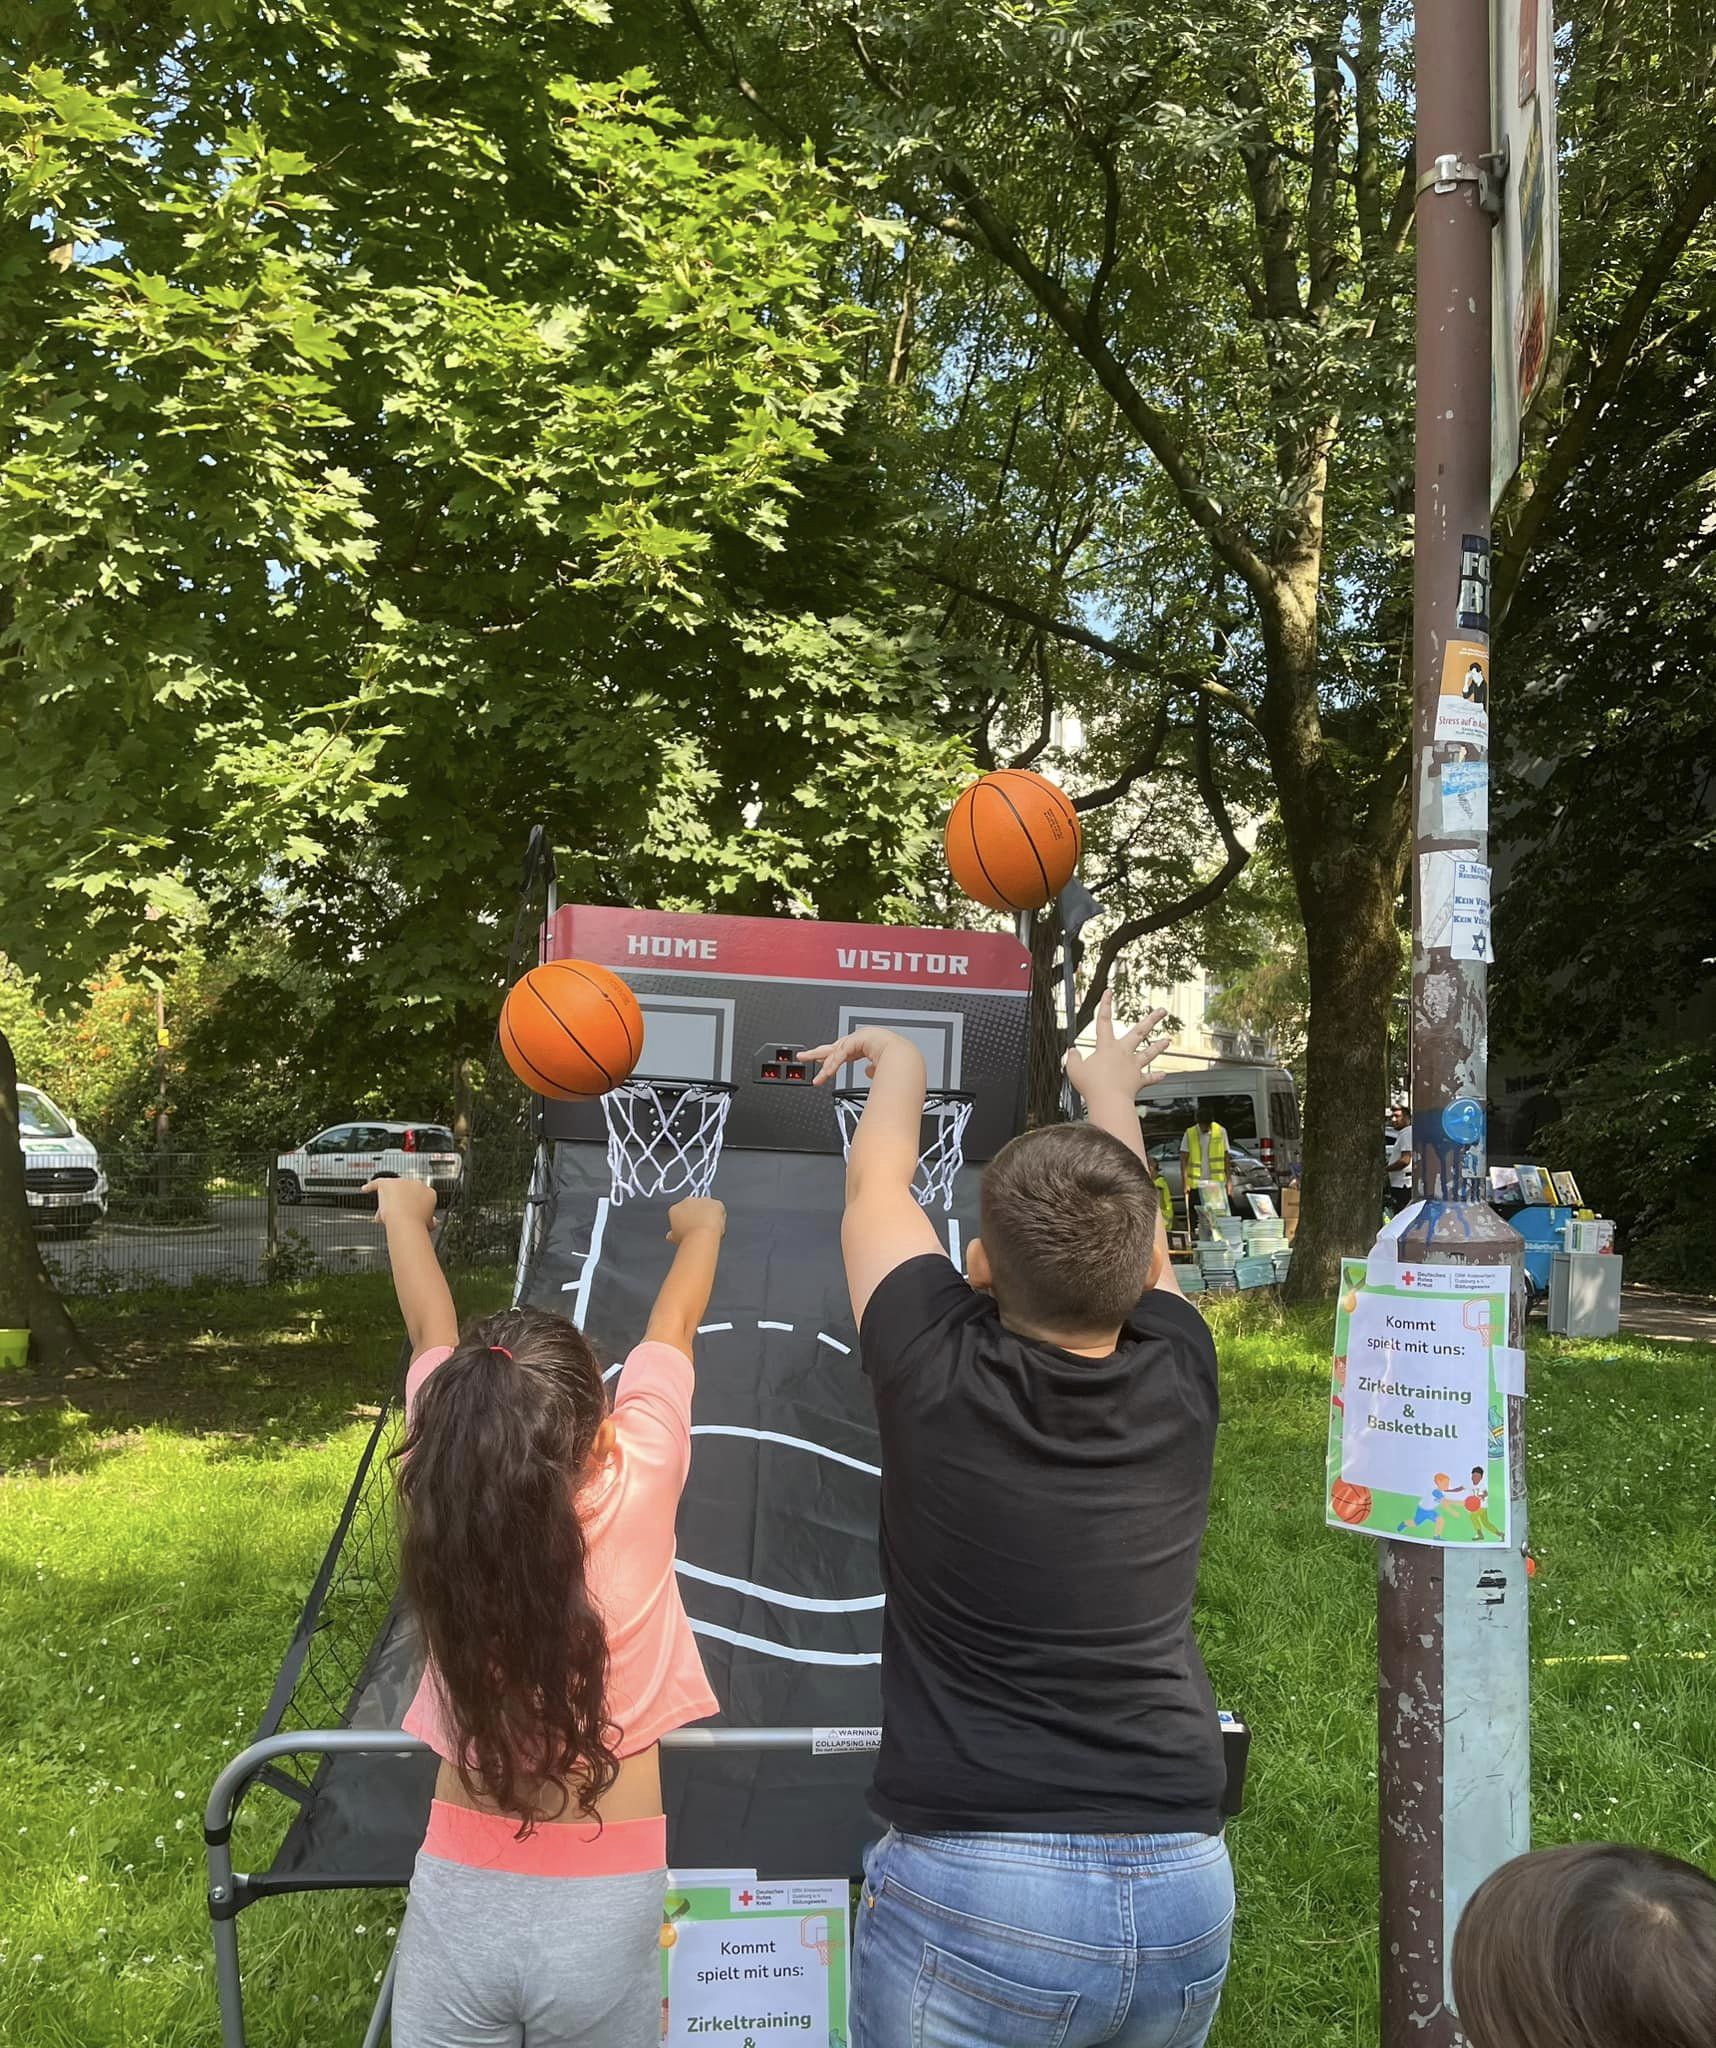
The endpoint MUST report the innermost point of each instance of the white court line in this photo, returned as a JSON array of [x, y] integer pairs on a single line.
[[834, 1344], [953, 1239], [793, 1443], [592, 1258], [612, 1369], [741, 1641], [761, 1325], [703, 1329], [801, 1601]]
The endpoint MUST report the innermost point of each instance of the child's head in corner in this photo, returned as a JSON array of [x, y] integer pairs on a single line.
[[1069, 1235], [1598, 1945]]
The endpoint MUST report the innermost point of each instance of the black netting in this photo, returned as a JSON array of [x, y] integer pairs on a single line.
[[352, 1601]]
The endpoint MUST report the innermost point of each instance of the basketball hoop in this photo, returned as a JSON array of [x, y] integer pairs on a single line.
[[813, 1935], [664, 1137], [946, 1113]]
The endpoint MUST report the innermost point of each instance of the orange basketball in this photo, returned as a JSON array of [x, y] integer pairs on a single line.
[[1013, 840], [571, 1029], [1351, 1503]]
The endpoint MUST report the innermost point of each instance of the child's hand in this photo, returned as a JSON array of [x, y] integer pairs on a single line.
[[1116, 1066], [867, 1045], [402, 1201], [696, 1212]]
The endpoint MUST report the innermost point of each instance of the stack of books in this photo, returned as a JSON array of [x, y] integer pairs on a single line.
[[1254, 1272]]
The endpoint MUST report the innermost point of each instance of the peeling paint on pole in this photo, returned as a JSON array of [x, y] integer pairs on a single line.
[[1452, 1695]]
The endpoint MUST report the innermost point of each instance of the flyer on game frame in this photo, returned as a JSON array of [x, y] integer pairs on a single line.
[[1417, 1404], [749, 1960]]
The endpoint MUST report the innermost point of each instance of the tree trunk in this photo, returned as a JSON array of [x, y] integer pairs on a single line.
[[464, 1097], [1353, 953], [1347, 864], [28, 1298]]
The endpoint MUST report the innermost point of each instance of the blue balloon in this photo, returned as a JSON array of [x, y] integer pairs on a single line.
[[1463, 1120]]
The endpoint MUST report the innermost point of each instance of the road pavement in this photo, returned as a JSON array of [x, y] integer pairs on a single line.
[[340, 1237]]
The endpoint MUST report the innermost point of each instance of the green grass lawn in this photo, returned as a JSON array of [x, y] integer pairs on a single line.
[[160, 1521]]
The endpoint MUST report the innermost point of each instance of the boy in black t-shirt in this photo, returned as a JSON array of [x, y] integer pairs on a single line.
[[1051, 1765]]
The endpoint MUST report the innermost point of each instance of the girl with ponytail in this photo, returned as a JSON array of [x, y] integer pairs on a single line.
[[537, 1556]]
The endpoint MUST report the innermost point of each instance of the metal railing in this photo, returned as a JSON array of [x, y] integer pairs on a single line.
[[230, 1891]]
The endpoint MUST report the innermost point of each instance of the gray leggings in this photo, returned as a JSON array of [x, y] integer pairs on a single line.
[[489, 1959]]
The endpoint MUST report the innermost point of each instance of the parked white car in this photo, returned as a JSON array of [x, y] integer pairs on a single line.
[[64, 1183], [339, 1160]]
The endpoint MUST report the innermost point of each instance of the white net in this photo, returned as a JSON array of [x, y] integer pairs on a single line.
[[943, 1150], [664, 1137]]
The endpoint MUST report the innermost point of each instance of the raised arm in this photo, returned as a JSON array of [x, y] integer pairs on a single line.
[[697, 1227], [1110, 1074], [405, 1209], [1108, 1077], [883, 1225]]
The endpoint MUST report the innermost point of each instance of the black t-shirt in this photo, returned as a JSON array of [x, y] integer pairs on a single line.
[[1041, 1519]]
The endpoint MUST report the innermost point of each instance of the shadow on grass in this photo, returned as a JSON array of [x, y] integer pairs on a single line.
[[254, 1369]]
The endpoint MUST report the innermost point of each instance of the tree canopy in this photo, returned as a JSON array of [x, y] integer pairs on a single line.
[[410, 432], [1178, 243]]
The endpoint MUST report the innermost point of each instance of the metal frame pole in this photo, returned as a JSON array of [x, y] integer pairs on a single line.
[[1453, 1677]]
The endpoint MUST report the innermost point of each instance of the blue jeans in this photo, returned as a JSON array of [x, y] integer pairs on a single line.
[[1041, 1941]]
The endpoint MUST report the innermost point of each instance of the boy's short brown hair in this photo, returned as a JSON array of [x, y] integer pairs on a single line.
[[1069, 1226]]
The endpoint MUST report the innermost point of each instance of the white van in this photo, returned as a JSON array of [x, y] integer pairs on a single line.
[[63, 1179], [1255, 1103]]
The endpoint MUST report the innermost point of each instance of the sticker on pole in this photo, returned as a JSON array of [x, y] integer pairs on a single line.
[[1463, 706], [1474, 583], [1454, 906], [1469, 932], [1417, 1406], [1464, 787], [844, 1741]]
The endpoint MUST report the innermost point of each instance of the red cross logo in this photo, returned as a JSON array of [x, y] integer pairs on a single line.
[[1406, 1279], [746, 1898]]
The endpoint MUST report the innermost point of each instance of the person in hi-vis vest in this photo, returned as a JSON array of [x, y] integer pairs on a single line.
[[1164, 1193], [1203, 1162]]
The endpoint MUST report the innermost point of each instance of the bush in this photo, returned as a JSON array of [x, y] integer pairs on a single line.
[[1640, 1131], [289, 1261]]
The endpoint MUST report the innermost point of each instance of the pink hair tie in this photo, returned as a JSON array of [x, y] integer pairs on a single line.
[[504, 1352]]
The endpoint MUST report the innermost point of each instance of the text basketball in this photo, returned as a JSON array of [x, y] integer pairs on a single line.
[[571, 1030], [1013, 840]]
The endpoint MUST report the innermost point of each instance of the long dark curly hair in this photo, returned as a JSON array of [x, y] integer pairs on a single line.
[[493, 1562]]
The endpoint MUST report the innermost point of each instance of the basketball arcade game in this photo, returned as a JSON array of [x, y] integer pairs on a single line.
[[777, 1528]]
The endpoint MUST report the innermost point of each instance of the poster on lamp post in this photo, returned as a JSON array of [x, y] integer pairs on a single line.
[[1417, 1404]]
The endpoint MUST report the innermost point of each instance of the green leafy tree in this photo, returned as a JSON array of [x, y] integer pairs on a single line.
[[1613, 809], [1613, 730], [401, 423], [1204, 219]]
